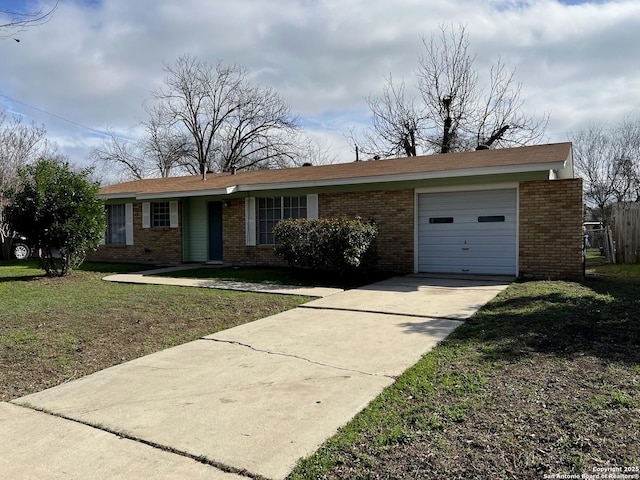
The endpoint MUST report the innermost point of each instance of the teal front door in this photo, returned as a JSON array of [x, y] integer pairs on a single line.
[[215, 231]]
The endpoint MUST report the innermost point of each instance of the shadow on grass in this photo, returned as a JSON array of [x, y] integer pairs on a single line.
[[282, 276], [106, 267], [29, 270], [598, 317]]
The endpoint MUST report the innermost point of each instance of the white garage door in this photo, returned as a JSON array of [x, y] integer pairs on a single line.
[[467, 232]]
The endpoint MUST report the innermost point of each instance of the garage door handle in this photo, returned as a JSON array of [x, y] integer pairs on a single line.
[[465, 248]]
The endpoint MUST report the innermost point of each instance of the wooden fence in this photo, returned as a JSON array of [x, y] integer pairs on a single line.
[[626, 231]]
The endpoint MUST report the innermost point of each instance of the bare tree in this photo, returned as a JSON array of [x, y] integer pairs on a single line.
[[313, 151], [124, 156], [164, 148], [455, 111], [158, 153], [14, 21], [608, 160], [398, 125], [20, 144], [627, 159], [261, 132], [466, 115], [591, 156], [229, 120], [447, 81]]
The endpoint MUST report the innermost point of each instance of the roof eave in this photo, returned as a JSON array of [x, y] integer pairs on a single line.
[[399, 177], [405, 177]]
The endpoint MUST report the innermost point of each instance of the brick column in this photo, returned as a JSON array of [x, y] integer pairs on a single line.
[[551, 229]]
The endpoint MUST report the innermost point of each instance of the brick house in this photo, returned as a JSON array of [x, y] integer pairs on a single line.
[[515, 211]]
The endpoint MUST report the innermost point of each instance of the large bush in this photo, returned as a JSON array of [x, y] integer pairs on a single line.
[[59, 211], [329, 243]]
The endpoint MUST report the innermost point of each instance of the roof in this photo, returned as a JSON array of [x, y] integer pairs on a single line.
[[482, 162]]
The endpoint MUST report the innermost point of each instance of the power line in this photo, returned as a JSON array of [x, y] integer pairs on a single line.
[[56, 116]]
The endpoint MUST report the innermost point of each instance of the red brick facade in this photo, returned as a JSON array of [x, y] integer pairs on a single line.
[[391, 210], [551, 229], [393, 213], [152, 245], [235, 250]]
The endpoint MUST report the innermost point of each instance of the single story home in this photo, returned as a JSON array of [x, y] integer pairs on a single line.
[[514, 211]]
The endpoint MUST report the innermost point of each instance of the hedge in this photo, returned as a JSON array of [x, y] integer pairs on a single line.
[[328, 243]]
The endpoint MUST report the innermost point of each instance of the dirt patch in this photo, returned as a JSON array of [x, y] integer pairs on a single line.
[[537, 417]]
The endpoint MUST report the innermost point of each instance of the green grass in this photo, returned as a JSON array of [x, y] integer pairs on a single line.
[[56, 329], [593, 256], [279, 276], [618, 271], [542, 380]]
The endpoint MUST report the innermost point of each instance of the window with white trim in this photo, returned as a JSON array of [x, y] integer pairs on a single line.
[[273, 209], [160, 214], [116, 225]]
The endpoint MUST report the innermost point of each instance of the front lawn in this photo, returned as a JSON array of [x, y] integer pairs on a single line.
[[54, 330], [544, 380]]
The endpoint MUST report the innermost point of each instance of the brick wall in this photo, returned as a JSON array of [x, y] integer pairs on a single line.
[[154, 245], [551, 229], [393, 212], [234, 249]]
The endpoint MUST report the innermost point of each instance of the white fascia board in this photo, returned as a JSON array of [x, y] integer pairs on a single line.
[[190, 193], [403, 177]]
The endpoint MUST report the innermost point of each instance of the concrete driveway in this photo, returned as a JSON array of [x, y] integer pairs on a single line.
[[250, 400]]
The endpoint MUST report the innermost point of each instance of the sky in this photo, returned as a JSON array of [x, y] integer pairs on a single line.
[[90, 69]]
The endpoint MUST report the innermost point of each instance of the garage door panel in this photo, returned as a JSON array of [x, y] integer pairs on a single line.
[[459, 234], [471, 262], [474, 232], [488, 250], [453, 265]]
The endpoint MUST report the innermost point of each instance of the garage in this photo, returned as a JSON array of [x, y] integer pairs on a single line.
[[468, 232]]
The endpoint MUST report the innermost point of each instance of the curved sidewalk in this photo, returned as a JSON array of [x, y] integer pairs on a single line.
[[248, 401]]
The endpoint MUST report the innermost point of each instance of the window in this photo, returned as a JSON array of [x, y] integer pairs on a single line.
[[491, 218], [116, 225], [441, 220], [160, 214], [273, 209], [295, 207]]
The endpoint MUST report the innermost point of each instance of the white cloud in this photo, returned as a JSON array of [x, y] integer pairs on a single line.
[[96, 63]]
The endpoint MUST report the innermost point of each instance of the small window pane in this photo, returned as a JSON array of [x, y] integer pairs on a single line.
[[491, 218], [160, 214], [441, 220]]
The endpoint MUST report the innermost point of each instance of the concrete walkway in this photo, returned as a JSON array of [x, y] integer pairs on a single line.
[[250, 400], [144, 278]]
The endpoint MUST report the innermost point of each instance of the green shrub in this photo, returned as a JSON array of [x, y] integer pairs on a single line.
[[328, 243], [59, 211]]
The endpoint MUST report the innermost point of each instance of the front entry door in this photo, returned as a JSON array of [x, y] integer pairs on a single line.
[[215, 231]]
